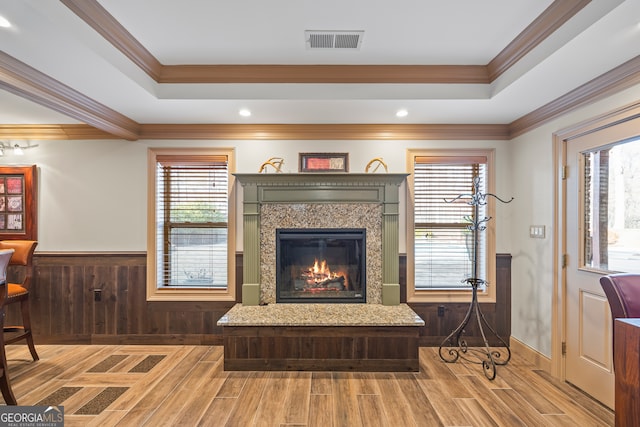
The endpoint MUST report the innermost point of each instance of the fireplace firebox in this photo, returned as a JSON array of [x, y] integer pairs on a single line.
[[320, 265]]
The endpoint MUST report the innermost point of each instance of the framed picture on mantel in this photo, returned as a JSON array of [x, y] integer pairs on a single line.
[[324, 162], [18, 216]]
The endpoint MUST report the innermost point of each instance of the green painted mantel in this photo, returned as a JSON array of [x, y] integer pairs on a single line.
[[284, 188]]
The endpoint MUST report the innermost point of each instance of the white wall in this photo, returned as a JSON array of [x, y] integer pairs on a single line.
[[92, 194], [533, 186]]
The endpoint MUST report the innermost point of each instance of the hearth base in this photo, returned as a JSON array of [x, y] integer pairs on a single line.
[[321, 337], [322, 348]]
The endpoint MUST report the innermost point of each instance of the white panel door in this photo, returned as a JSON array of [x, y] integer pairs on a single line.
[[589, 353]]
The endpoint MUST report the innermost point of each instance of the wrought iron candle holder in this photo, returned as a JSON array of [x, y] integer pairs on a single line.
[[454, 347]]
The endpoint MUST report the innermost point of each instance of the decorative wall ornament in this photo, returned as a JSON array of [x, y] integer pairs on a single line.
[[324, 162], [454, 346], [275, 162], [18, 199], [377, 162]]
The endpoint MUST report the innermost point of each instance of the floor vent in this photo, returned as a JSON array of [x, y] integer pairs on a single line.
[[333, 39]]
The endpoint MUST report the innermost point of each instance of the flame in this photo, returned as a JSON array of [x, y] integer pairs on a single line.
[[318, 277], [322, 269]]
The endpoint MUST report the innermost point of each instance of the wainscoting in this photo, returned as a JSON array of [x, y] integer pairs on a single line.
[[64, 308]]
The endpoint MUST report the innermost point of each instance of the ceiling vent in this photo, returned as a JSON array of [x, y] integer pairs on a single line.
[[333, 39]]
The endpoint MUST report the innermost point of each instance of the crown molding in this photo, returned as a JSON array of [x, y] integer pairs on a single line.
[[29, 83], [397, 74], [616, 80], [106, 25], [609, 83], [53, 132], [553, 17], [104, 123], [92, 13], [267, 132], [378, 132]]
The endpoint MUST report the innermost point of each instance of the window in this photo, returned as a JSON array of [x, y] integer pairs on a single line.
[[611, 240], [191, 254], [440, 247]]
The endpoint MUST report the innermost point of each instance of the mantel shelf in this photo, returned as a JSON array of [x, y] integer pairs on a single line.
[[302, 179]]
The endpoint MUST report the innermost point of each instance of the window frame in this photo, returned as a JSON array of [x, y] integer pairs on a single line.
[[451, 295], [586, 214], [155, 293]]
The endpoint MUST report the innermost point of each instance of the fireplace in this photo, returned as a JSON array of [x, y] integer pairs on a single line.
[[350, 201], [321, 265]]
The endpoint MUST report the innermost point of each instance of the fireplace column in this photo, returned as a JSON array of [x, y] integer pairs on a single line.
[[251, 243], [390, 246]]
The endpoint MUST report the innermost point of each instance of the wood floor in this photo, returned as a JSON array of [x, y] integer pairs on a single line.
[[186, 386]]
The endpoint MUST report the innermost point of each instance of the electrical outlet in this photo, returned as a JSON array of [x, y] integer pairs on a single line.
[[441, 311], [97, 295]]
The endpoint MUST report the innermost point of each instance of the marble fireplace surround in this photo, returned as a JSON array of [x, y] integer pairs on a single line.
[[320, 200]]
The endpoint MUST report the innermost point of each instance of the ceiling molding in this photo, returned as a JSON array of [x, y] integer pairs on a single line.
[[609, 83], [91, 12], [106, 25], [27, 82], [52, 132], [104, 123], [406, 74], [554, 16], [267, 132], [377, 132], [616, 80]]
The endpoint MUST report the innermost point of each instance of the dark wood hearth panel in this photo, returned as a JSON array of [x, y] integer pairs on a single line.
[[291, 348]]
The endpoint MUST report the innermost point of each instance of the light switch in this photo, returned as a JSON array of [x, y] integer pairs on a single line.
[[536, 231]]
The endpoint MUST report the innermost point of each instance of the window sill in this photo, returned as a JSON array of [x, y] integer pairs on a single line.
[[445, 296]]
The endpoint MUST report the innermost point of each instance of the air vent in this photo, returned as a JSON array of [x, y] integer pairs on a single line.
[[333, 39]]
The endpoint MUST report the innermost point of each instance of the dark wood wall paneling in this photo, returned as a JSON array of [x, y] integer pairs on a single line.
[[64, 309]]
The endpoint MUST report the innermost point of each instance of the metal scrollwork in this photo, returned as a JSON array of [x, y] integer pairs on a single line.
[[454, 346]]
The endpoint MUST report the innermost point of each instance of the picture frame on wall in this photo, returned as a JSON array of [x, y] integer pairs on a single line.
[[324, 162], [18, 213]]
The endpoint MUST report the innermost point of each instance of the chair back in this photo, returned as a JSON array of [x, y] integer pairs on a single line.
[[623, 294], [23, 250], [22, 257], [5, 257]]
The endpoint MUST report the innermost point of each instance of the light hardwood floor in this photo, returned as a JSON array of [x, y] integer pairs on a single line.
[[187, 386]]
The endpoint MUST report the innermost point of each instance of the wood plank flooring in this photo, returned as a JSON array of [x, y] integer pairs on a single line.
[[102, 385]]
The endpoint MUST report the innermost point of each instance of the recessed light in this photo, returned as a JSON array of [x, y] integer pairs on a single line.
[[402, 113], [4, 22], [245, 112]]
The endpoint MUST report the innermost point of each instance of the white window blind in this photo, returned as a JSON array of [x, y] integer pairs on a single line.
[[192, 221], [443, 243]]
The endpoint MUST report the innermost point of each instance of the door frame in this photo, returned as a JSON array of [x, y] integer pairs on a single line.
[[560, 141]]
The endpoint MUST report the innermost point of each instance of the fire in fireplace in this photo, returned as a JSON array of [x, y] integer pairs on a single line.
[[320, 265]]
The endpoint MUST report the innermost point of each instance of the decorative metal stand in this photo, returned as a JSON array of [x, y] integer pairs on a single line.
[[454, 346]]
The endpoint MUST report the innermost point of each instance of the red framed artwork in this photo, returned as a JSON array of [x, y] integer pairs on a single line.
[[18, 215], [324, 162]]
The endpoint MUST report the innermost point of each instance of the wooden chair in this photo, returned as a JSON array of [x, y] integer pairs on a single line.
[[5, 384], [18, 289]]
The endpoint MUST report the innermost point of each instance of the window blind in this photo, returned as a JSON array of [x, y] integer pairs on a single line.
[[192, 221], [443, 242]]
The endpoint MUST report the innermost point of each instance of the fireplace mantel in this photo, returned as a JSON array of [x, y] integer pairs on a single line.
[[310, 189]]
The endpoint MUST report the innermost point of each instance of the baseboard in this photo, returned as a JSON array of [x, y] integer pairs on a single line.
[[134, 339], [532, 356]]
